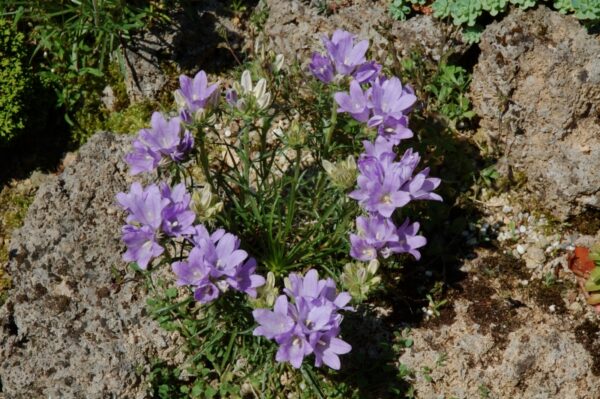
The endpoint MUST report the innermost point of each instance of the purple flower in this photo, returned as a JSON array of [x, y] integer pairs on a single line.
[[420, 187], [374, 234], [381, 149], [390, 102], [163, 139], [145, 206], [196, 94], [141, 245], [142, 159], [327, 347], [274, 323], [201, 233], [177, 216], [309, 323], [193, 271], [231, 96], [355, 103], [321, 67], [216, 264], [206, 293], [395, 130], [245, 280], [346, 56], [225, 257], [367, 72], [408, 240], [379, 187]]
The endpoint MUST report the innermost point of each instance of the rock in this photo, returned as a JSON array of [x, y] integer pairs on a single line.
[[68, 328], [187, 43], [536, 88], [540, 359], [534, 257], [294, 29], [108, 99]]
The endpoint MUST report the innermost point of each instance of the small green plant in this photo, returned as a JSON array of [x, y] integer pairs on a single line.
[[444, 86], [15, 81], [467, 13], [449, 88]]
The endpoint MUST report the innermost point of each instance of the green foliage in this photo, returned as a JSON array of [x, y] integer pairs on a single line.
[[399, 9], [444, 88], [74, 43], [15, 81], [466, 13], [587, 9]]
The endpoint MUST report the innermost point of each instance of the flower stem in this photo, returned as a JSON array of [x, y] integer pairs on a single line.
[[329, 132]]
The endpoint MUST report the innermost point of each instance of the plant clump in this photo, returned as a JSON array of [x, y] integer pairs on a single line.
[[268, 202]]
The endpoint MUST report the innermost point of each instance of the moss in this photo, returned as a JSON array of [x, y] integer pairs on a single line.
[[15, 81], [131, 119], [14, 203]]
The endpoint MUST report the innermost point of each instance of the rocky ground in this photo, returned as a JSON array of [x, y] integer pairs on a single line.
[[515, 324]]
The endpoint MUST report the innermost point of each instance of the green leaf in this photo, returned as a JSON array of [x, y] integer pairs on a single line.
[[441, 8], [494, 6], [465, 11]]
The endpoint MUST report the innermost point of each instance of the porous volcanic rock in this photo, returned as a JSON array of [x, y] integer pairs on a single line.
[[295, 28], [536, 88], [75, 325], [527, 352]]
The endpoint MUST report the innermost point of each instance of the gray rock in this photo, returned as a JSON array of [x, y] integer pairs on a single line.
[[537, 89], [540, 359], [69, 329], [294, 29], [187, 43]]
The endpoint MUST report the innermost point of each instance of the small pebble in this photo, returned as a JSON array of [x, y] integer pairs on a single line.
[[522, 229], [520, 249], [552, 308], [506, 208]]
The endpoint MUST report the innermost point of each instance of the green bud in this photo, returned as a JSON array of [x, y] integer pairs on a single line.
[[342, 174], [205, 204], [266, 294], [359, 279], [296, 136]]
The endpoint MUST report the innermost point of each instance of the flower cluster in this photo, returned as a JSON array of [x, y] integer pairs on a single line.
[[163, 141], [306, 321], [384, 105], [383, 184], [215, 264], [343, 58], [153, 211]]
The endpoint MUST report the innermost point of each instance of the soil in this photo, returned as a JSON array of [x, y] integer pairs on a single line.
[[588, 334]]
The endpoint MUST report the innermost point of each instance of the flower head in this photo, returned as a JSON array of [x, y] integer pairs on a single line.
[[141, 244], [216, 264], [346, 55], [321, 67], [356, 103], [163, 139], [306, 321], [195, 95], [177, 216], [408, 240], [374, 234], [379, 187]]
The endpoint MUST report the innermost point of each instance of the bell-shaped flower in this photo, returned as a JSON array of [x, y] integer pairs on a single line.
[[355, 103]]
